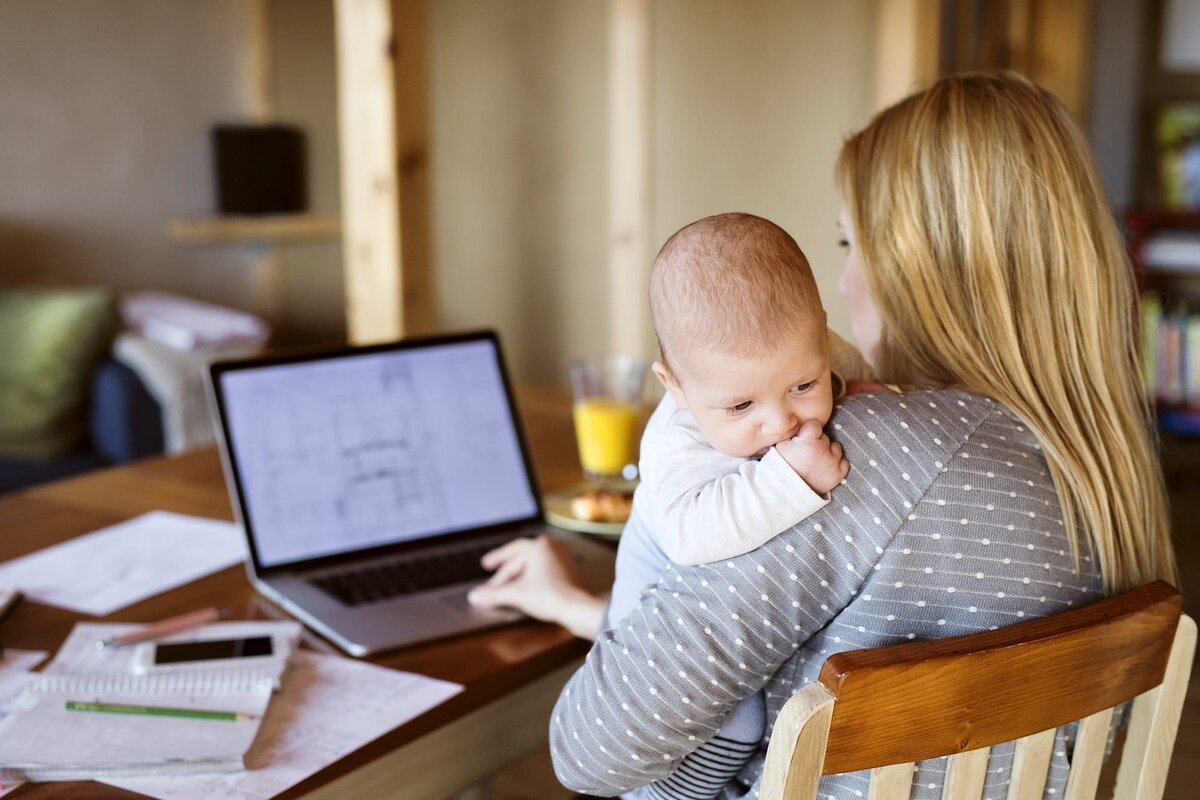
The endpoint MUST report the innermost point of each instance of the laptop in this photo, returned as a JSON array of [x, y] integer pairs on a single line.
[[370, 480]]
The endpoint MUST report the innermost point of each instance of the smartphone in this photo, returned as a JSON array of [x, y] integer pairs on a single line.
[[204, 655], [212, 650]]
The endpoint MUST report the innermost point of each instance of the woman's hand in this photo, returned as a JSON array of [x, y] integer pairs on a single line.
[[538, 577]]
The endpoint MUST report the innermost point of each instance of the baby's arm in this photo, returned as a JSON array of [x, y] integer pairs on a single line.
[[706, 506]]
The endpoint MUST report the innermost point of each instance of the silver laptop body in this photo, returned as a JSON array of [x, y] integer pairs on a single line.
[[388, 467]]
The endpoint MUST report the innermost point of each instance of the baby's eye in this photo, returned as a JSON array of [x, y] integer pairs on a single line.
[[739, 408], [801, 388], [843, 243]]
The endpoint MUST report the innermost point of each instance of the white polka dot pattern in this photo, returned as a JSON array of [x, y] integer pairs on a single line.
[[948, 523]]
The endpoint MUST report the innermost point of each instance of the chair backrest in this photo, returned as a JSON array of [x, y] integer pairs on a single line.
[[885, 709]]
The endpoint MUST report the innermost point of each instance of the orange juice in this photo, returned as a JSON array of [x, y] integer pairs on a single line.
[[607, 433]]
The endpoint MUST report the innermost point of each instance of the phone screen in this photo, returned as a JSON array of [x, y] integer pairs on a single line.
[[180, 652]]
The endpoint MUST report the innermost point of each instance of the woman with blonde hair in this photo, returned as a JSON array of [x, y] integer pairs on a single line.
[[1015, 477], [985, 242]]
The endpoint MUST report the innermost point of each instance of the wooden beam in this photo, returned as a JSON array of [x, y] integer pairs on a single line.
[[258, 62], [383, 131], [1062, 51], [906, 46], [630, 185]]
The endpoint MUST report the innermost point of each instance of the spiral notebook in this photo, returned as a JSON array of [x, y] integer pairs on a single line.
[[45, 740]]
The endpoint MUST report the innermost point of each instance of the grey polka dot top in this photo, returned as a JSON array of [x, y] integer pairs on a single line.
[[948, 523]]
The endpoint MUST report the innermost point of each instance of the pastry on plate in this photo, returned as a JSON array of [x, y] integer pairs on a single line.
[[602, 505]]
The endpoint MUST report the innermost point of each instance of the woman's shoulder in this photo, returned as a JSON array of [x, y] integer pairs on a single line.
[[936, 421], [948, 409]]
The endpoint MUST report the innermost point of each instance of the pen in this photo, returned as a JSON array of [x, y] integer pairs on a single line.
[[157, 711], [165, 627]]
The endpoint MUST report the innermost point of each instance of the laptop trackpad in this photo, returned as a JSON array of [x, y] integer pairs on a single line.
[[457, 600]]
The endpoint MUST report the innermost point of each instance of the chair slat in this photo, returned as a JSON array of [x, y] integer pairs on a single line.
[[1031, 763], [1088, 756], [1154, 722], [891, 783], [965, 775], [928, 699]]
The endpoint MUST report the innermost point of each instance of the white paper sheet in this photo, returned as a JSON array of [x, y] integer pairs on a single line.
[[329, 707], [14, 677], [111, 568]]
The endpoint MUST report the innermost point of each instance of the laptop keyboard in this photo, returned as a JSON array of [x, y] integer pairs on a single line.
[[408, 576]]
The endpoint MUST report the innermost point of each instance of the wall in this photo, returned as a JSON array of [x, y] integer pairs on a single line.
[[303, 92], [1115, 122], [751, 101], [106, 136], [105, 109], [518, 116]]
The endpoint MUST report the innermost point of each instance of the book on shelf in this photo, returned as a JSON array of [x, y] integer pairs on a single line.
[[1175, 251], [1171, 353]]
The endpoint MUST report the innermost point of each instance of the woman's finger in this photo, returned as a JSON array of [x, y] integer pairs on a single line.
[[494, 558], [486, 596], [508, 570]]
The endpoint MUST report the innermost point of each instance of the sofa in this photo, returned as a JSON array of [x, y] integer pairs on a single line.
[[124, 423], [66, 405]]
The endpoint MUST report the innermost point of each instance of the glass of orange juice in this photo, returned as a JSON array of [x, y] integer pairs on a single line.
[[608, 414]]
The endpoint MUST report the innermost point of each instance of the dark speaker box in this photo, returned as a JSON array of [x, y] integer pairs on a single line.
[[260, 169]]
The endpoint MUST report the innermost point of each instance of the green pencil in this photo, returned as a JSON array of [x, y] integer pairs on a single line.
[[157, 711]]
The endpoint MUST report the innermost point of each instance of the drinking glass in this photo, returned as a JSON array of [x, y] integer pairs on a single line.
[[608, 415]]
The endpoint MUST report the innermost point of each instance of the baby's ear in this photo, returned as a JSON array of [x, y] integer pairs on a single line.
[[667, 378]]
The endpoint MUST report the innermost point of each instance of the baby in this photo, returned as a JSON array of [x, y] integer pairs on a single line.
[[735, 453]]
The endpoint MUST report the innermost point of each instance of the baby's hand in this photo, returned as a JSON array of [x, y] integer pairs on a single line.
[[817, 460]]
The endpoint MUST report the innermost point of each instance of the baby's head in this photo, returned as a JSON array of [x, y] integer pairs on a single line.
[[742, 332]]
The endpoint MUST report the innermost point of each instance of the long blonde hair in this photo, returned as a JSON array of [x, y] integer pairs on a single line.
[[992, 256]]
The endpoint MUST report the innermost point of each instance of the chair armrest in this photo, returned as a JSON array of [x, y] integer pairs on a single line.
[[796, 751]]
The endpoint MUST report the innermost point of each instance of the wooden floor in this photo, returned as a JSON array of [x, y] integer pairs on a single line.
[[533, 779]]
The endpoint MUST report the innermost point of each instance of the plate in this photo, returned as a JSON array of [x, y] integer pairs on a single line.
[[557, 506]]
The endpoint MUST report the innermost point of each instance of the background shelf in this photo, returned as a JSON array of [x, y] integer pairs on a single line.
[[277, 229]]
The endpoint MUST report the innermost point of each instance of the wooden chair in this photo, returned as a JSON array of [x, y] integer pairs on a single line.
[[886, 708]]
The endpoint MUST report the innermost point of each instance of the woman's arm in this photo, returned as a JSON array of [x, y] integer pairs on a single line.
[[660, 681]]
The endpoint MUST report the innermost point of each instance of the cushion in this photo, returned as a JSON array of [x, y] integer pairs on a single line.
[[50, 341], [125, 419]]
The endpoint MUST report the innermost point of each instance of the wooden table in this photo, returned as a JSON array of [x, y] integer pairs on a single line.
[[511, 674]]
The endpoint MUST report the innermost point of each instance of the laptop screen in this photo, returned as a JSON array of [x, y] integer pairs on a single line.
[[358, 450]]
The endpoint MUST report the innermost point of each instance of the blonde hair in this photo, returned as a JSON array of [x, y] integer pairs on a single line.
[[733, 283], [991, 254]]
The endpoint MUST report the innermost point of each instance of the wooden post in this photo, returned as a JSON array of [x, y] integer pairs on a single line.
[[1061, 60], [383, 130], [629, 135], [906, 48]]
